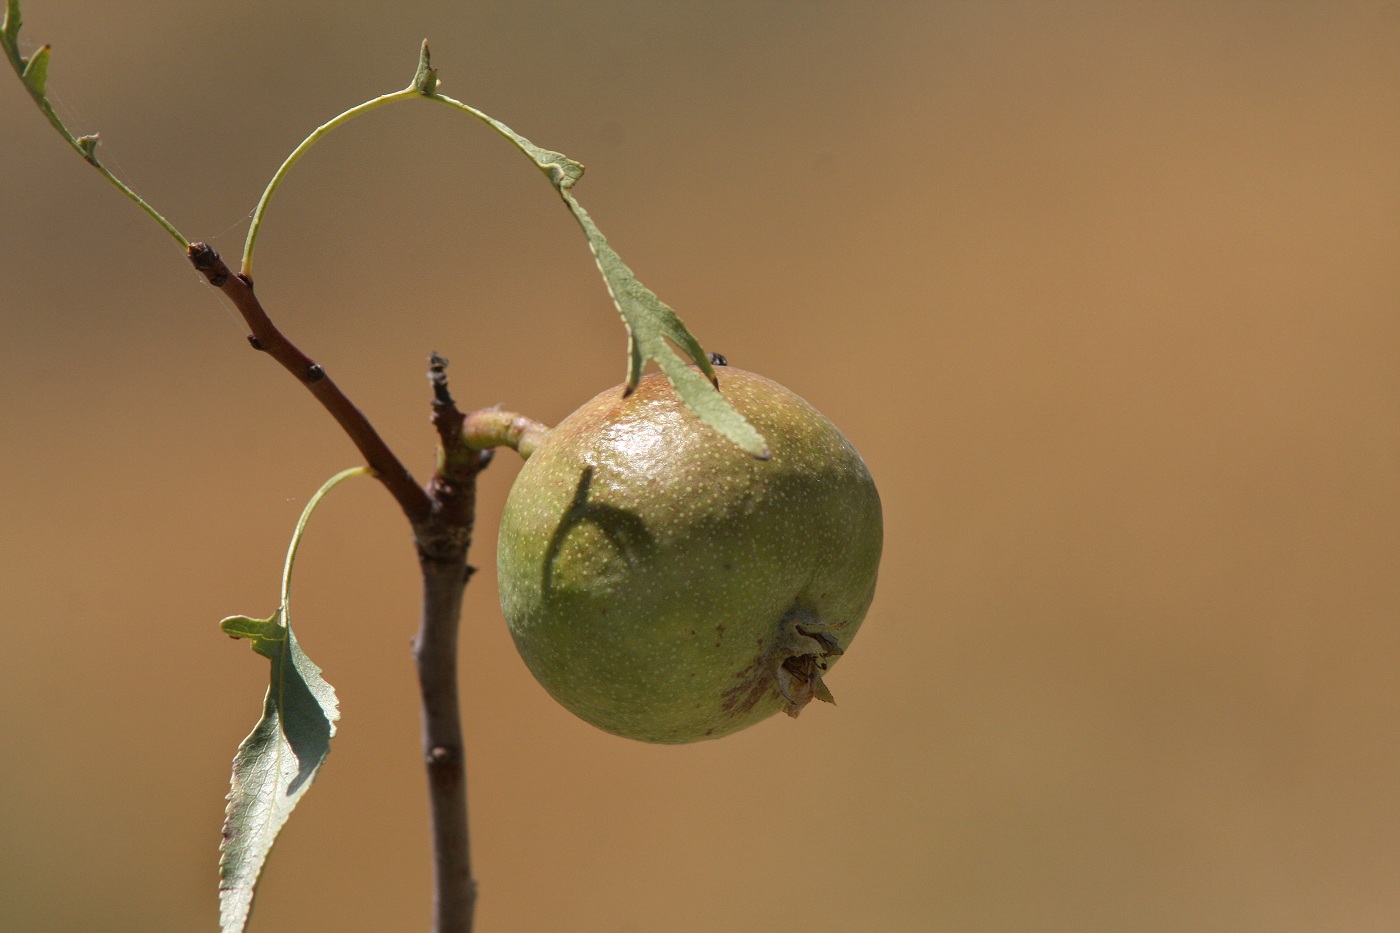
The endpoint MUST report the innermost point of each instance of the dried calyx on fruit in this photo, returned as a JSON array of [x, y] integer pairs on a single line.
[[666, 586]]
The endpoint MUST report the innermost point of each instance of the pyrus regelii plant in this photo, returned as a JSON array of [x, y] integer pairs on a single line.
[[663, 584], [678, 559]]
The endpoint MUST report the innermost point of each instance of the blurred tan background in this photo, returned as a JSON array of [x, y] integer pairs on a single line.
[[1108, 294]]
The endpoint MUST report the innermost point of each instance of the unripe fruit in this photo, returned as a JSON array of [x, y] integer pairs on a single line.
[[664, 585]]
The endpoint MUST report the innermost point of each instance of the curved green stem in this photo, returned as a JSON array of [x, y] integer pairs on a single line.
[[491, 427], [326, 487], [544, 159], [559, 168], [652, 326], [298, 152]]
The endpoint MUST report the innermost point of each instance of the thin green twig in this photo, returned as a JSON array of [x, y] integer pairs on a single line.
[[406, 94], [315, 500], [33, 71]]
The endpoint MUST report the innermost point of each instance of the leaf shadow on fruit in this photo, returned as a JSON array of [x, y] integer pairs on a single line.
[[625, 531]]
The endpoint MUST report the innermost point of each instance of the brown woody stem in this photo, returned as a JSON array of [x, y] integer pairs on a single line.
[[442, 518], [443, 541], [265, 336]]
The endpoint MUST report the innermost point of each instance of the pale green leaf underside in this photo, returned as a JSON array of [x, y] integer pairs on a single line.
[[279, 759], [276, 762]]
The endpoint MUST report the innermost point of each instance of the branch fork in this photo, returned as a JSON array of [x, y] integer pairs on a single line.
[[441, 516]]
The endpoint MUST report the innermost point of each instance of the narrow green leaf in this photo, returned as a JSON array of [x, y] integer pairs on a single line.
[[425, 79], [652, 326], [36, 71], [279, 759], [10, 28], [561, 170]]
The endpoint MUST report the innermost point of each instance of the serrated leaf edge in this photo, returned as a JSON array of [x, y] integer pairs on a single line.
[[649, 321], [273, 638]]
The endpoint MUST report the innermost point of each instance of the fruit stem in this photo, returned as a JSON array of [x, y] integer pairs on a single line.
[[491, 427]]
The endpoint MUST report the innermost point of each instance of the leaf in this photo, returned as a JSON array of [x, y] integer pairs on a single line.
[[32, 70], [276, 762], [9, 30], [651, 329], [425, 79], [36, 71], [279, 759], [652, 326]]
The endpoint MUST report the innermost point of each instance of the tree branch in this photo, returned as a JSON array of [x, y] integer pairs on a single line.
[[443, 541], [266, 337], [442, 517]]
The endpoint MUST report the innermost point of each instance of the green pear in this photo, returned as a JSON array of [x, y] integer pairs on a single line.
[[664, 585]]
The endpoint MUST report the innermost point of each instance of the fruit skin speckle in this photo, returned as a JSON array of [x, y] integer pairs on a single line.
[[665, 586]]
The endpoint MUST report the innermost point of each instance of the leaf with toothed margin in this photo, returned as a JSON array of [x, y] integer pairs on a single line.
[[275, 764], [652, 326], [279, 759], [561, 170]]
